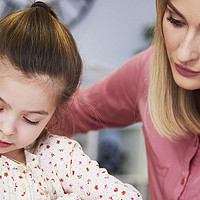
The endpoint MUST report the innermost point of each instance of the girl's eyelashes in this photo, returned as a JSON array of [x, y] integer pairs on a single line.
[[175, 22], [31, 122], [26, 119]]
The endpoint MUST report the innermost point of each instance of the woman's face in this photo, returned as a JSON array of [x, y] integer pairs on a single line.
[[181, 28]]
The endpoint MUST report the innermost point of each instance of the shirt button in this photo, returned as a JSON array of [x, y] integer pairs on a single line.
[[23, 186], [45, 192], [20, 168], [195, 143], [182, 181]]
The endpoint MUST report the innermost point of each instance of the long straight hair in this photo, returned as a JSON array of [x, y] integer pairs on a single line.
[[174, 111]]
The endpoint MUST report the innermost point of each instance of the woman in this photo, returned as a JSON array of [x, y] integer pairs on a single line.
[[159, 87]]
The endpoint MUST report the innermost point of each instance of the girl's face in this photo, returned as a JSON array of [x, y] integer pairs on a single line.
[[26, 105], [181, 28]]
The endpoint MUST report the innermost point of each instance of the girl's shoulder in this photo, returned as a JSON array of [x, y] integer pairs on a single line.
[[56, 144], [55, 152]]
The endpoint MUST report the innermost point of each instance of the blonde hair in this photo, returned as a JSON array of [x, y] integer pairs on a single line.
[[173, 110]]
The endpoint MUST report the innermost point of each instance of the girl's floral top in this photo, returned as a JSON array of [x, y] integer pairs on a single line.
[[59, 169]]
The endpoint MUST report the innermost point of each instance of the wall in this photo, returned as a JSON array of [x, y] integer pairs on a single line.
[[112, 31]]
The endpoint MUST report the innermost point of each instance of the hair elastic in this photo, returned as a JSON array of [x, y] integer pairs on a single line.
[[45, 6]]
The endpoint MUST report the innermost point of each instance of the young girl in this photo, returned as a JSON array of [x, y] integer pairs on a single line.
[[40, 68]]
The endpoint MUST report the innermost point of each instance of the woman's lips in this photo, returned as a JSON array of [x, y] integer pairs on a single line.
[[4, 144], [185, 71]]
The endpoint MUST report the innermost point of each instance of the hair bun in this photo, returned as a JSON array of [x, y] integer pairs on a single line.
[[44, 5]]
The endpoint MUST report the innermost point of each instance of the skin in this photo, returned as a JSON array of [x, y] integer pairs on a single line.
[[181, 29], [26, 105]]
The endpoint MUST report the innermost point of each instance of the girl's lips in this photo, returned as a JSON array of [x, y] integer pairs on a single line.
[[185, 71], [4, 144]]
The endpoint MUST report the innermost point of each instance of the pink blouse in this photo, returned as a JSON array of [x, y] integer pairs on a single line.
[[120, 100]]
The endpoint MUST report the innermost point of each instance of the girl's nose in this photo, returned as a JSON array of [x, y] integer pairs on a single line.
[[8, 127], [188, 49]]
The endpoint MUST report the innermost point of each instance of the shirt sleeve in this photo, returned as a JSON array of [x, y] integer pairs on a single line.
[[111, 102], [82, 176]]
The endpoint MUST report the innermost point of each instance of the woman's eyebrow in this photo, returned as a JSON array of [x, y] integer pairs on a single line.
[[174, 9]]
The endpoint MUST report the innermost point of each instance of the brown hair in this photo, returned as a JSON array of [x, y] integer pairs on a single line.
[[37, 43]]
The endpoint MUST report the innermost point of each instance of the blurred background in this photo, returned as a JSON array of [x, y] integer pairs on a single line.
[[108, 33]]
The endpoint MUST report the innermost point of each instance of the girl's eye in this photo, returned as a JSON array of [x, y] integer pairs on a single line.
[[31, 122], [175, 22], [1, 109]]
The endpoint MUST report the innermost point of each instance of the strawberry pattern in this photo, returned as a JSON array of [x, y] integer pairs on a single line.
[[59, 169]]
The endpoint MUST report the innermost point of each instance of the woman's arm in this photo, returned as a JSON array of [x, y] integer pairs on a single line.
[[111, 102]]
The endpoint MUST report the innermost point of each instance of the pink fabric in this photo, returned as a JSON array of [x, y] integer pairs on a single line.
[[120, 100]]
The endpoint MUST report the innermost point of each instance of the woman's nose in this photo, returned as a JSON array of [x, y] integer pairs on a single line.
[[188, 49]]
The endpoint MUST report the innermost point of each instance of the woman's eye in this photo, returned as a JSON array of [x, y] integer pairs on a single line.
[[31, 122], [175, 22], [1, 109]]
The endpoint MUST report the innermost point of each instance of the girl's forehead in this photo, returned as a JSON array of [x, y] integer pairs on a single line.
[[10, 70], [49, 84]]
